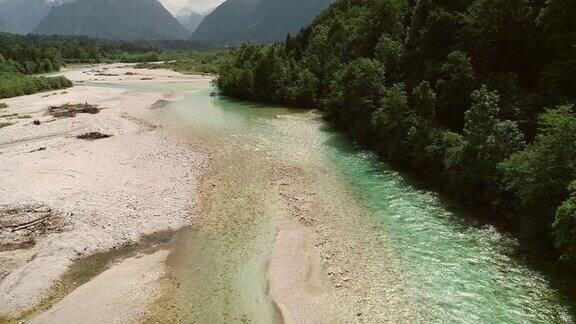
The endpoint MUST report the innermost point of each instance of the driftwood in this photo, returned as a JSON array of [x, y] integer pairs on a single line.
[[93, 136], [21, 226], [71, 110], [41, 211]]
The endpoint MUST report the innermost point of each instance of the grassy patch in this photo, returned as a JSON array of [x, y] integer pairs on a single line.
[[4, 124]]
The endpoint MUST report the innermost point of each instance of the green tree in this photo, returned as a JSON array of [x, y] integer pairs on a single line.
[[560, 26], [404, 77], [389, 52], [306, 87], [454, 88], [539, 175], [487, 142], [424, 101], [393, 122], [356, 91], [564, 227]]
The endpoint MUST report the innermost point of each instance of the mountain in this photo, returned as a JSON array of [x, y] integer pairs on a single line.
[[113, 19], [258, 21], [25, 13], [8, 26], [189, 19]]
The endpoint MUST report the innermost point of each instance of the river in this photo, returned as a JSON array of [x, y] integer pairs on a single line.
[[380, 248]]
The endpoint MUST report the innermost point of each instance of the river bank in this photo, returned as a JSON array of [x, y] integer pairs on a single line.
[[200, 208], [302, 226], [96, 196], [270, 246]]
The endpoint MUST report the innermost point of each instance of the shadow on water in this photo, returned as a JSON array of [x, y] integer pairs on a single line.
[[462, 267]]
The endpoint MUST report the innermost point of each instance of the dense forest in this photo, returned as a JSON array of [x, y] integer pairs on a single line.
[[476, 97], [21, 56]]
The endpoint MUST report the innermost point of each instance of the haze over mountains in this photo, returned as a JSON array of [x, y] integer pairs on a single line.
[[203, 7], [24, 15], [233, 22], [258, 21], [7, 25], [113, 19], [189, 19]]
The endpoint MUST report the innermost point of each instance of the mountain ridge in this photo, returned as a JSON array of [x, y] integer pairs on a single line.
[[127, 20], [8, 26], [258, 21], [26, 14]]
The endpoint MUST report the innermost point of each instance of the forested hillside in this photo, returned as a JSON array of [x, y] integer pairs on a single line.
[[476, 97]]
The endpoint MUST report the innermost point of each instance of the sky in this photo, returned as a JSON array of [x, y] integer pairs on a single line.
[[196, 5]]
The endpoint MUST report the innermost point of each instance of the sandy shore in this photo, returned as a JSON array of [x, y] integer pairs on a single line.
[[280, 238], [90, 196]]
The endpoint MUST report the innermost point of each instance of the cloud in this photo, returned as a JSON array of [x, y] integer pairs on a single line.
[[196, 5]]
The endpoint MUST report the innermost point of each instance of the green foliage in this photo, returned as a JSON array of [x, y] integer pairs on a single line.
[[481, 117], [424, 101], [41, 54], [13, 85], [456, 83], [140, 57], [389, 52], [394, 115], [560, 26], [270, 77], [539, 175], [564, 227], [185, 61], [450, 90], [21, 56], [357, 89], [487, 142]]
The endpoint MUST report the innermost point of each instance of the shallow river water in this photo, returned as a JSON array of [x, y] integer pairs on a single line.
[[454, 269]]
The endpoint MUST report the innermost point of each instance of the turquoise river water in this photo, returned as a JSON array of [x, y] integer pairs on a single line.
[[458, 270]]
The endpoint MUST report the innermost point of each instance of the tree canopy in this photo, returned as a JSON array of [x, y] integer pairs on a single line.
[[473, 96]]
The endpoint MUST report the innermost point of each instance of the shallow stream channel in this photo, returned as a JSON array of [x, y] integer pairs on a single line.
[[298, 225]]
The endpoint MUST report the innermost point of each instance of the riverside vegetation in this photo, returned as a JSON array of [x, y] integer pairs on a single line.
[[476, 97], [208, 62], [22, 56]]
